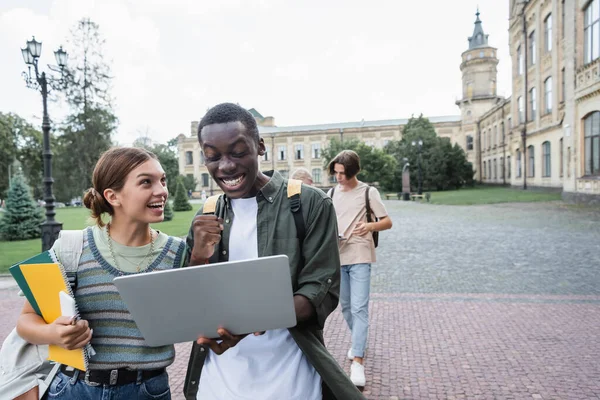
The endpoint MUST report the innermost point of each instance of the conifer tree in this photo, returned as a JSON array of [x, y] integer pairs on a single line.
[[168, 211], [181, 201], [23, 217]]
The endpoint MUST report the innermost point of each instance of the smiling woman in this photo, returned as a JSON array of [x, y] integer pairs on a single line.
[[129, 185]]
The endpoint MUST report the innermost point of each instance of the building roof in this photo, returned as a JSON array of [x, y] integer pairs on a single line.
[[479, 39], [255, 113], [350, 125]]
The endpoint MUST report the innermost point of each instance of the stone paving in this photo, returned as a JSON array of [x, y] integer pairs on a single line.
[[479, 302]]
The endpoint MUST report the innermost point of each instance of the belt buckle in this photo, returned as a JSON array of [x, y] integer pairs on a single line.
[[87, 379], [114, 375]]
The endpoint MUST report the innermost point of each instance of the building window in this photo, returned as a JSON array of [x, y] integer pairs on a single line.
[[521, 110], [281, 153], [332, 179], [490, 169], [562, 19], [502, 167], [508, 167], [520, 60], [495, 169], [205, 180], [481, 54], [591, 32], [299, 153], [316, 174], [519, 171], [469, 142], [548, 33], [489, 138], [568, 162], [546, 169], [266, 155], [495, 135], [532, 104], [189, 158], [562, 84], [560, 159], [316, 150], [592, 143], [531, 165], [548, 95], [284, 173], [509, 123], [532, 46], [484, 169]]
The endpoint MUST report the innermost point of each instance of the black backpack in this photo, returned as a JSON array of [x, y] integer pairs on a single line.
[[369, 212]]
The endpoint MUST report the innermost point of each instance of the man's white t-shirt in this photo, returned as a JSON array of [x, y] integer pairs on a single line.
[[267, 367]]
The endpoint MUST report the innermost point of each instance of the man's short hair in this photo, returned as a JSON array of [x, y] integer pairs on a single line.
[[349, 159], [302, 174], [229, 112]]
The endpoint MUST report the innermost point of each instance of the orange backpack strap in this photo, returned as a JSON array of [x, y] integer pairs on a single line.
[[210, 204]]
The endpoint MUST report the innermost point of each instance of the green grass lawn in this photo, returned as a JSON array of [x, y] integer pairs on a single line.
[[491, 195], [78, 218]]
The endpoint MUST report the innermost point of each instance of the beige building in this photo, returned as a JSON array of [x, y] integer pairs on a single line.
[[547, 134]]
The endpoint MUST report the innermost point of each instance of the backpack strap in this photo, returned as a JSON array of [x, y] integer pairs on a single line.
[[369, 219], [210, 205], [294, 188], [71, 247], [331, 191], [367, 204]]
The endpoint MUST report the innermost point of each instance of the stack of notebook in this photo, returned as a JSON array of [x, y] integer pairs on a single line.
[[42, 278]]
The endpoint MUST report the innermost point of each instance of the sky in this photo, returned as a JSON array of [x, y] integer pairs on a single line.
[[302, 62]]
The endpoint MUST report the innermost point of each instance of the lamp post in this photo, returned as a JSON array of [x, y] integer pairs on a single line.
[[419, 145], [31, 54]]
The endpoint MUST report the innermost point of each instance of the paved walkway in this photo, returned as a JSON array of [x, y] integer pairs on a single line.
[[481, 302]]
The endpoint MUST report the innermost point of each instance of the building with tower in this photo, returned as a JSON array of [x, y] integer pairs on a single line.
[[546, 134]]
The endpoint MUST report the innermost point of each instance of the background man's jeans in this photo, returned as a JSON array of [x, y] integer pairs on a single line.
[[354, 298]]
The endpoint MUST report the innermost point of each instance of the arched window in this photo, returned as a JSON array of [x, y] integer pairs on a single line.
[[546, 166], [592, 143], [591, 32], [518, 164], [548, 95], [531, 161]]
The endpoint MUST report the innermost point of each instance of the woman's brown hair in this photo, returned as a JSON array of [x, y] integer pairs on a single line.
[[110, 173], [350, 160]]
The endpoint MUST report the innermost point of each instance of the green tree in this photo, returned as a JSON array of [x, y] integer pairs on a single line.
[[443, 166], [23, 217], [88, 129], [181, 202], [168, 211], [376, 165], [168, 159], [20, 141], [8, 150], [189, 182]]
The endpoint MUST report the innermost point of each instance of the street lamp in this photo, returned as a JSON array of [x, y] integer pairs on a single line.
[[420, 146], [31, 54]]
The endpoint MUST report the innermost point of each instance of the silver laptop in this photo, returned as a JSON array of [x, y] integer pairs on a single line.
[[179, 305]]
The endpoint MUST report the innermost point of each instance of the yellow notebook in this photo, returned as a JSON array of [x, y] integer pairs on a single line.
[[45, 282]]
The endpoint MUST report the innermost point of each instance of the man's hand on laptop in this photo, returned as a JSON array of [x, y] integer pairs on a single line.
[[207, 232], [225, 342]]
